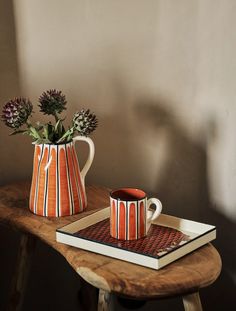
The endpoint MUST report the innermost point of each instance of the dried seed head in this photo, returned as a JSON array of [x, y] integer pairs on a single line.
[[52, 102], [16, 112], [85, 122]]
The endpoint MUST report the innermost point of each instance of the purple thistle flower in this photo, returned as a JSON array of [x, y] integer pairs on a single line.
[[52, 102], [16, 112]]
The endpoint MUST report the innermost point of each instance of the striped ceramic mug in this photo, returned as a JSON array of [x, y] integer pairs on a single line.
[[131, 215]]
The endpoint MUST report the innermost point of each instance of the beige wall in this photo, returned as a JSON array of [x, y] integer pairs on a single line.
[[159, 74], [153, 71]]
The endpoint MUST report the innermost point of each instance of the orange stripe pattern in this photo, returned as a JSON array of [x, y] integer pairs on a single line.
[[57, 188], [128, 219]]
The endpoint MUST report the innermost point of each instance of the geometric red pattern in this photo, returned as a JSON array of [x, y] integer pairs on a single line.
[[159, 239]]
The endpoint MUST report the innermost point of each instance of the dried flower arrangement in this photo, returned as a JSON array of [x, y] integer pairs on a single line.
[[16, 113]]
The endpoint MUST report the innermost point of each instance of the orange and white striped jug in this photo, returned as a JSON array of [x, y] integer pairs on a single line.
[[58, 187]]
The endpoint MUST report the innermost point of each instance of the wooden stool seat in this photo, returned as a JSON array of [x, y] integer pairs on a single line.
[[183, 277]]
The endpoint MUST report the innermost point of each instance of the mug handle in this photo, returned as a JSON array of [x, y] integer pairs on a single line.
[[89, 161], [151, 215]]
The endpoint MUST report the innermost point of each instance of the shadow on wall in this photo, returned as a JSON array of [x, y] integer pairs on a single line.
[[12, 164], [9, 86], [181, 178], [183, 188], [118, 157]]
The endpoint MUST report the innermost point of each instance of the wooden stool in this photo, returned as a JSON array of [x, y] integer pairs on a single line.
[[184, 277]]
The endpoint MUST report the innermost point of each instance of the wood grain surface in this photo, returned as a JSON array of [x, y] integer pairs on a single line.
[[186, 275]]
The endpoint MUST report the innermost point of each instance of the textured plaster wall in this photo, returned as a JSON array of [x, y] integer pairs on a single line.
[[125, 60], [159, 74]]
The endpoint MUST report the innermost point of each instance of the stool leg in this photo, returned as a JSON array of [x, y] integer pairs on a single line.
[[88, 296], [192, 302], [103, 300], [19, 281]]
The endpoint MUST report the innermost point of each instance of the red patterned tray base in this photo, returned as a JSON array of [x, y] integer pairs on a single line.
[[159, 239]]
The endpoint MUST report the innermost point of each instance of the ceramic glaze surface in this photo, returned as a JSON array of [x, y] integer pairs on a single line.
[[128, 219], [57, 187], [130, 214]]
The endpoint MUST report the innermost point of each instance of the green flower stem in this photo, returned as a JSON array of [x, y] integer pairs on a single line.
[[32, 131], [56, 116], [28, 123], [67, 136], [23, 131]]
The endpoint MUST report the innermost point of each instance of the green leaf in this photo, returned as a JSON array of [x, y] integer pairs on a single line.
[[51, 132], [18, 132], [34, 133], [68, 134], [69, 138], [42, 141], [45, 131], [39, 126], [58, 125], [59, 130]]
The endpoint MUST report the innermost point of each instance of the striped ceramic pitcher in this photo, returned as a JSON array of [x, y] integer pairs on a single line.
[[57, 187]]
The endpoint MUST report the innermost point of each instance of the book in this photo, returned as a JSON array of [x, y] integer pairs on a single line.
[[168, 239]]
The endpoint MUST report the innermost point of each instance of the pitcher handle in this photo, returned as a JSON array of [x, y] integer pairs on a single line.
[[89, 161]]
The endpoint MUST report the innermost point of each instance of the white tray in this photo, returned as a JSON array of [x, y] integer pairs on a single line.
[[199, 234]]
